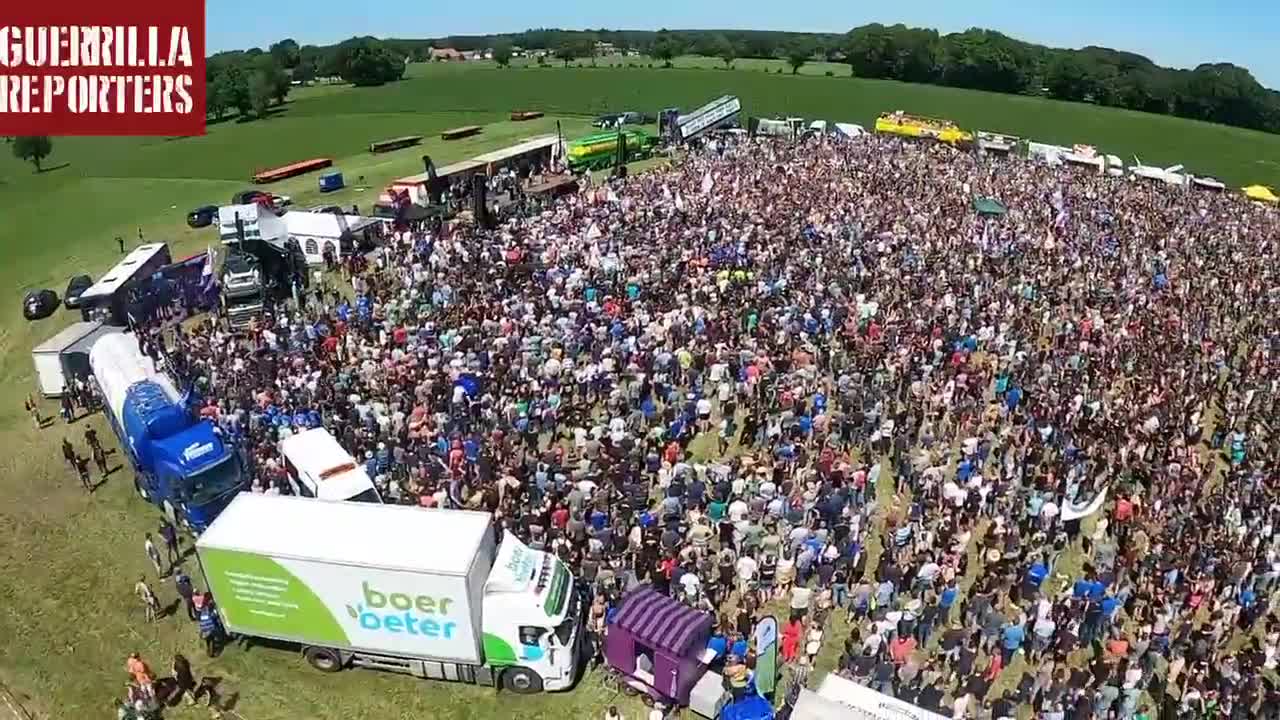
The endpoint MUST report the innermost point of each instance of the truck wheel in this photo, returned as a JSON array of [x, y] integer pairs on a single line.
[[522, 681], [141, 488], [323, 659]]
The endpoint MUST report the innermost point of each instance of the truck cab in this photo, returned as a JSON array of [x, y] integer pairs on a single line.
[[318, 467], [243, 292], [532, 617], [195, 477], [180, 463]]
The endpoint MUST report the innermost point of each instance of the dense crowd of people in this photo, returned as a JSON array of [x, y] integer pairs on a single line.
[[1026, 459]]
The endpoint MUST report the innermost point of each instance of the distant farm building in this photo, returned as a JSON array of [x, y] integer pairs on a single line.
[[447, 54]]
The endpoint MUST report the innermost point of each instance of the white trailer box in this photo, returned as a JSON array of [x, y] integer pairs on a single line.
[[47, 357], [394, 580]]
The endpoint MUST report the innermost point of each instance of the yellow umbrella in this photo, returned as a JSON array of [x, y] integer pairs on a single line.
[[1261, 192]]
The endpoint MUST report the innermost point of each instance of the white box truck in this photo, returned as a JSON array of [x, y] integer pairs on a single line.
[[429, 593], [51, 357]]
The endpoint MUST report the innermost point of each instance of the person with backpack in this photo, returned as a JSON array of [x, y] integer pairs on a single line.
[[210, 629]]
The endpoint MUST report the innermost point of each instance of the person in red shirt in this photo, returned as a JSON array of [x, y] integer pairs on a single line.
[[791, 633], [1124, 510], [560, 517], [672, 452], [901, 648]]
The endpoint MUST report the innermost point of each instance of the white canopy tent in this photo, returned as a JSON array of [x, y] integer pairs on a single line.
[[840, 699], [849, 129], [316, 231]]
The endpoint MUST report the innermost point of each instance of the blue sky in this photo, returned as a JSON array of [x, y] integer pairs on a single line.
[[1178, 33]]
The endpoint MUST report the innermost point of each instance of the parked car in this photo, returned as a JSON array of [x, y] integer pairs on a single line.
[[609, 120], [39, 304], [249, 196], [202, 216], [631, 117], [75, 288]]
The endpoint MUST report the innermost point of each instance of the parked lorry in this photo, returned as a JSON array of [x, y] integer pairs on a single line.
[[180, 463], [65, 356], [429, 593], [599, 151], [244, 295], [790, 127]]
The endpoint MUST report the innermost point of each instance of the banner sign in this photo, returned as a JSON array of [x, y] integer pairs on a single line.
[[766, 642], [1077, 510], [102, 68]]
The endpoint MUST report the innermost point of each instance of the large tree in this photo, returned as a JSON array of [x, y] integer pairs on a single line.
[[287, 53], [798, 53], [33, 149], [567, 51], [277, 81], [986, 60], [233, 83], [664, 50], [723, 48], [367, 61], [502, 54], [260, 93]]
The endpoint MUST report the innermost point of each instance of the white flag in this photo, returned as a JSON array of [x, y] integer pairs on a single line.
[[1075, 511], [679, 202], [707, 183]]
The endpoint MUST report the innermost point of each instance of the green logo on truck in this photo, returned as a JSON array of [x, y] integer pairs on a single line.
[[398, 613]]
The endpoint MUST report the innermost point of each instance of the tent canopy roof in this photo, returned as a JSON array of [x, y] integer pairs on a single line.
[[662, 622]]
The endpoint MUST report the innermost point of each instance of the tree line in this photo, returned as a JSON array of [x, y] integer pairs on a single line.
[[250, 82], [977, 58]]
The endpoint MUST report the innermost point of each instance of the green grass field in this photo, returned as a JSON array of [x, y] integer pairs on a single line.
[[67, 616]]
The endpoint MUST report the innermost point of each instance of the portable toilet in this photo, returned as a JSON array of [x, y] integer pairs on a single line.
[[330, 181]]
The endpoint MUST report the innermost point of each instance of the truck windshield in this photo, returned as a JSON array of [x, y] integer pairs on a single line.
[[564, 631], [214, 482], [561, 587]]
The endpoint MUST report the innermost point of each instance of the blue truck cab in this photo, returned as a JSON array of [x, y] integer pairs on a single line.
[[180, 462]]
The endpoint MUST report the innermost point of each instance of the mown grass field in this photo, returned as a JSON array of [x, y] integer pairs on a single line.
[[67, 615]]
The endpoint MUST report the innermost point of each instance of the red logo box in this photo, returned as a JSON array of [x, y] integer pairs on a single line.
[[102, 68]]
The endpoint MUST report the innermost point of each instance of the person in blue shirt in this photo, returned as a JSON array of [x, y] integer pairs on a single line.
[[1035, 577], [948, 596], [1011, 641], [718, 644], [1109, 605], [1012, 398]]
